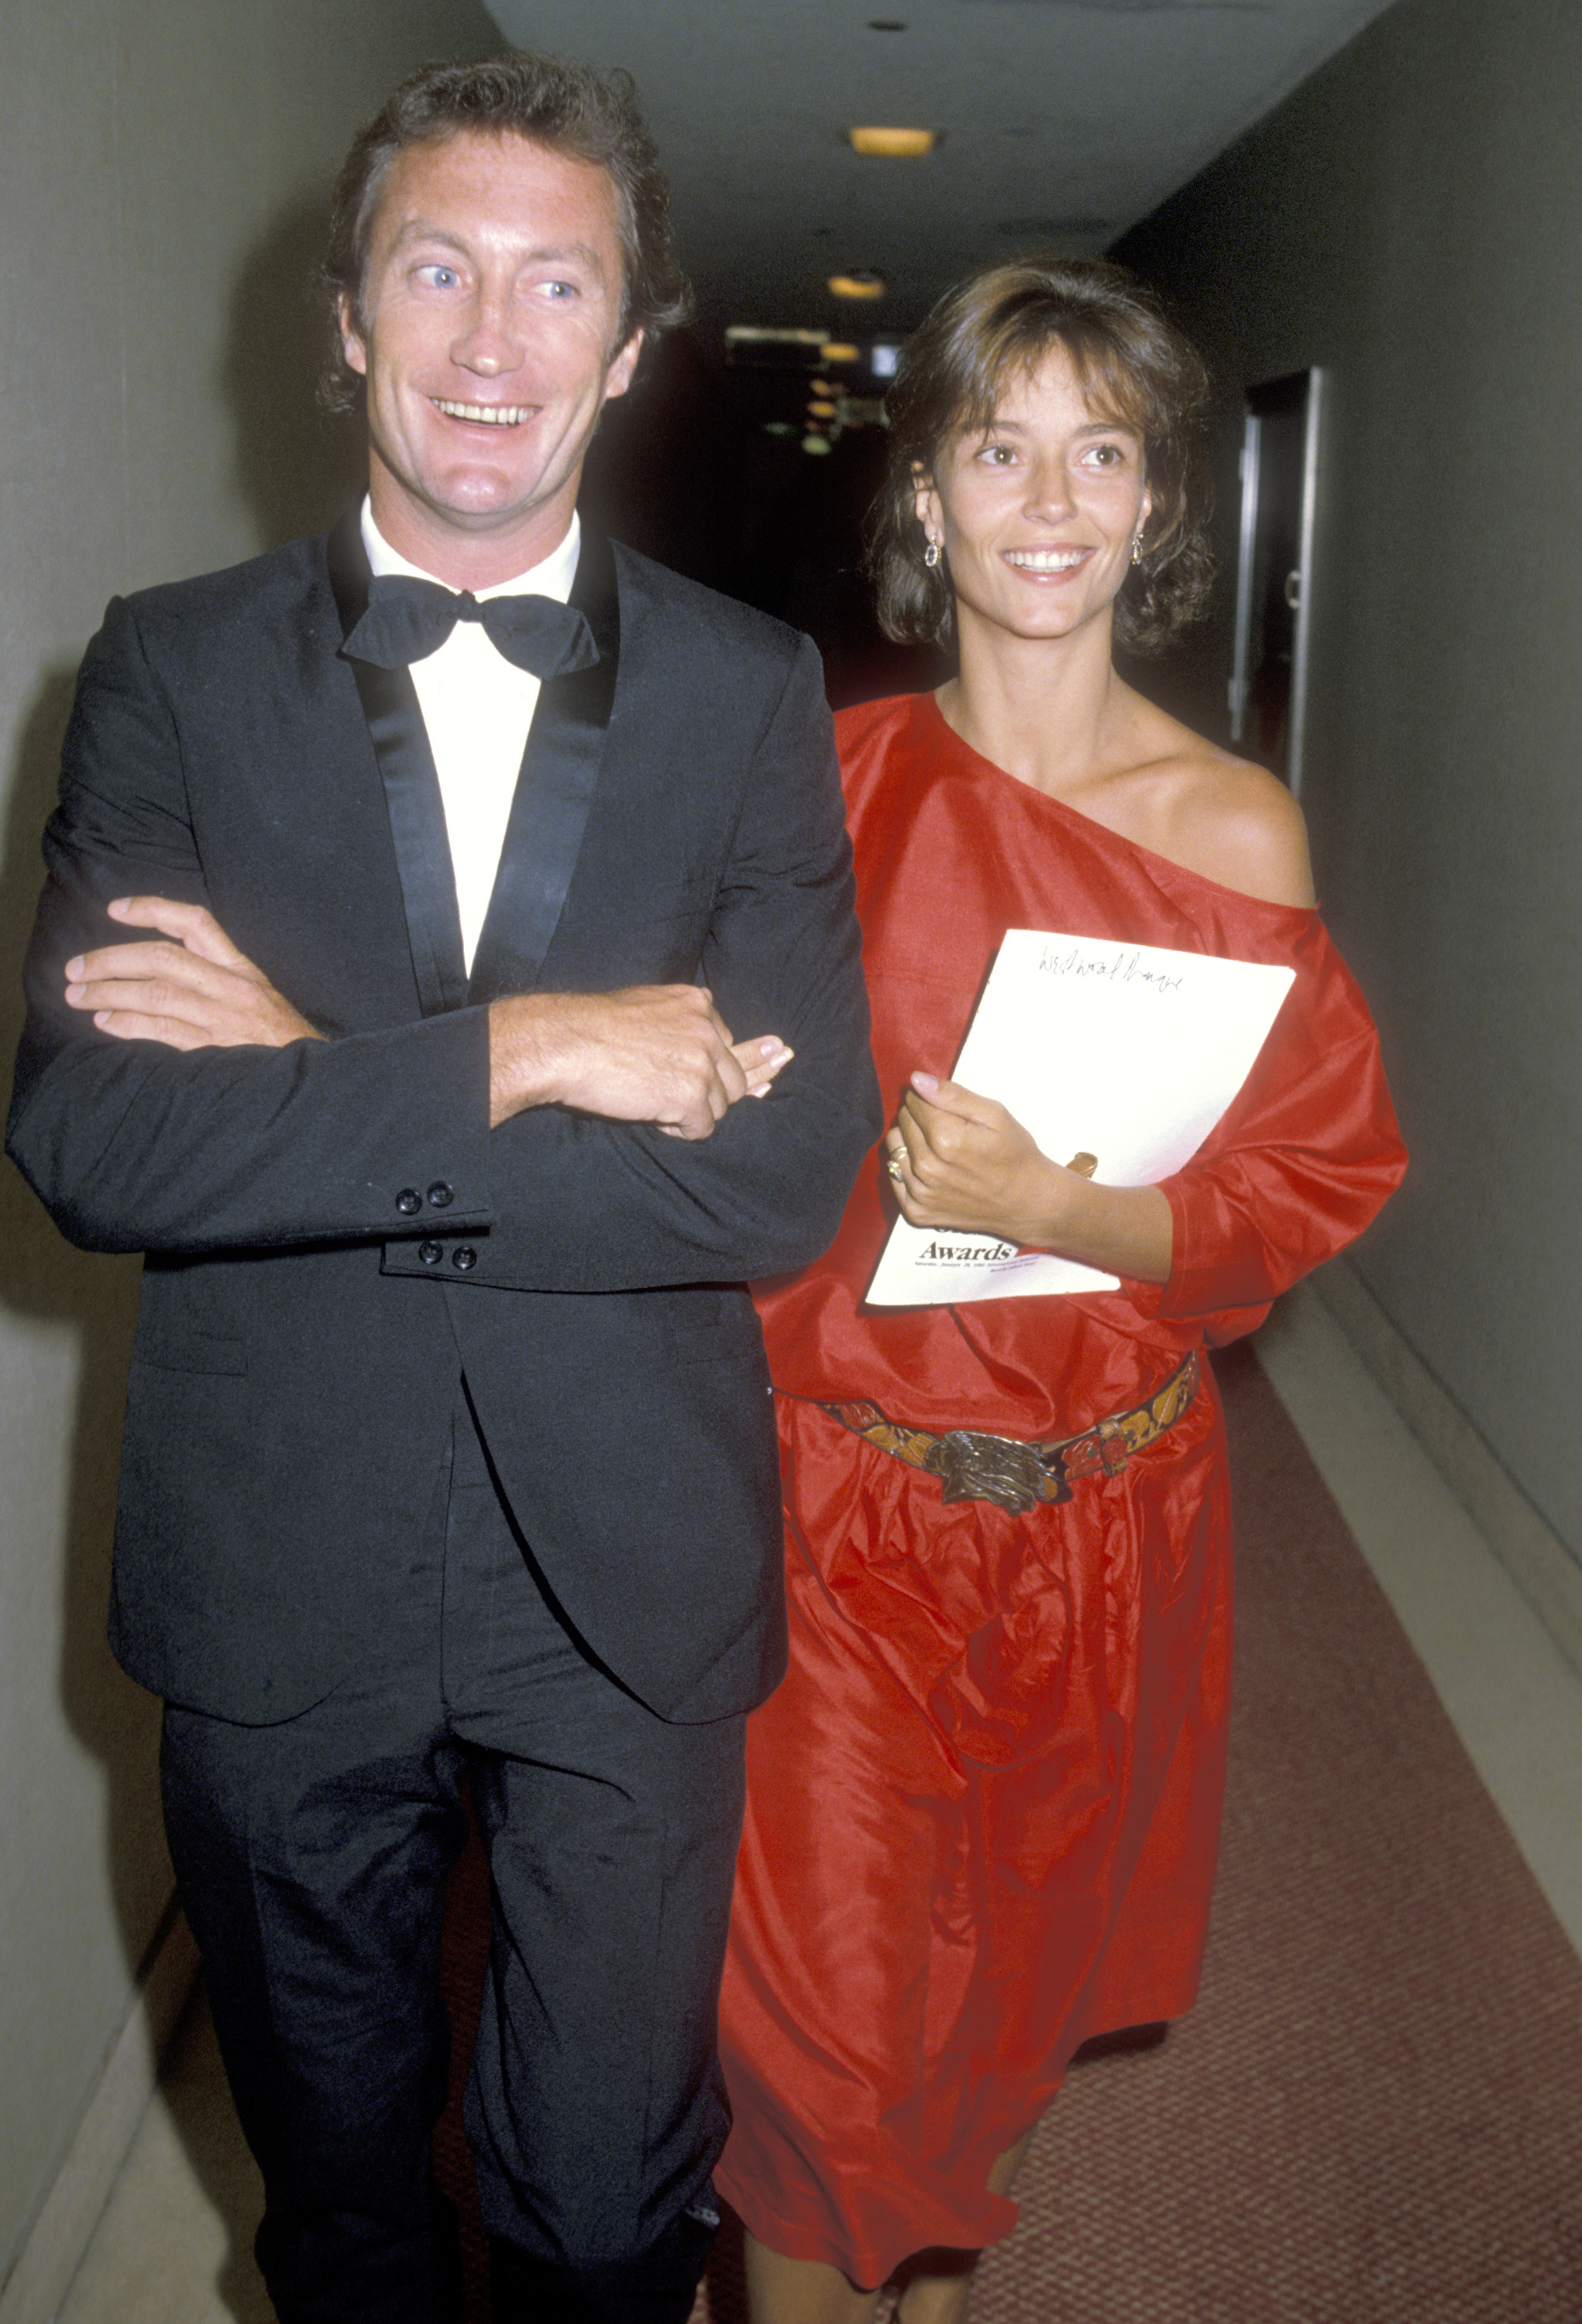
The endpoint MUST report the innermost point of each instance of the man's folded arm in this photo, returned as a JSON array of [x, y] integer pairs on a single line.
[[583, 1202], [385, 1134]]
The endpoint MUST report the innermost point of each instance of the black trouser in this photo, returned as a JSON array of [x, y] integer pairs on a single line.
[[312, 1855]]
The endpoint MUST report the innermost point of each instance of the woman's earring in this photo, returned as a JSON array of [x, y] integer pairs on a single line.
[[931, 553], [1136, 549]]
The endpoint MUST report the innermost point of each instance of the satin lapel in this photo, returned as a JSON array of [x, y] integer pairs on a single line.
[[554, 790], [411, 792]]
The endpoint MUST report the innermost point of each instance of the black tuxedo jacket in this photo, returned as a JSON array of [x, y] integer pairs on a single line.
[[334, 1235]]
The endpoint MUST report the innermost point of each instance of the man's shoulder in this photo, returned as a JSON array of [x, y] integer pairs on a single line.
[[276, 583], [699, 619]]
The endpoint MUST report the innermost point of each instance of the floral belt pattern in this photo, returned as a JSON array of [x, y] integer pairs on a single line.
[[1017, 1476]]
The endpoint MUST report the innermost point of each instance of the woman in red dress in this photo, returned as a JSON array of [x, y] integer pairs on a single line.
[[983, 1807]]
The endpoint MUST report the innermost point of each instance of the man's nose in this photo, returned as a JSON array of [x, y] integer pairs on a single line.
[[493, 338]]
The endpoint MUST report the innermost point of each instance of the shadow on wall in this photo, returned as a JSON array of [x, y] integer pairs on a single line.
[[297, 464], [44, 1283], [296, 467]]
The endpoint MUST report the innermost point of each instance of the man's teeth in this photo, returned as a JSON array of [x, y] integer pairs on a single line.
[[494, 415], [1048, 561]]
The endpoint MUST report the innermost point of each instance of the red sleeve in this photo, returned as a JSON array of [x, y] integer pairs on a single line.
[[1308, 1153]]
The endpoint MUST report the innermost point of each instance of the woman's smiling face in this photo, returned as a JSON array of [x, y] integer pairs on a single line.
[[1037, 513]]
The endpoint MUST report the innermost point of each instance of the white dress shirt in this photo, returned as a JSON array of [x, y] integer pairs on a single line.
[[478, 708]]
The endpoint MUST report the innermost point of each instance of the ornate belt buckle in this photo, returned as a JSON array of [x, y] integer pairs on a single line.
[[978, 1468]]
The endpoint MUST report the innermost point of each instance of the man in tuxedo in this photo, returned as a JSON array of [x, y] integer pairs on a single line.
[[453, 1091]]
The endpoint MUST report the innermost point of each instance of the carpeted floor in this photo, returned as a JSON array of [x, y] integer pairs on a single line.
[[1374, 2113]]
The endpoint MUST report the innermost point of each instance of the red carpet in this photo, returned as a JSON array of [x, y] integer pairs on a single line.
[[1374, 2113]]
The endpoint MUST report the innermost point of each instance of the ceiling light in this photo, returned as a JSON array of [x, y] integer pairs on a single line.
[[837, 351], [815, 443], [882, 360], [862, 282], [819, 409], [895, 145], [1037, 229], [744, 335]]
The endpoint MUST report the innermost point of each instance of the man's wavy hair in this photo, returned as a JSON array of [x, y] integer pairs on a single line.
[[567, 108], [1137, 368]]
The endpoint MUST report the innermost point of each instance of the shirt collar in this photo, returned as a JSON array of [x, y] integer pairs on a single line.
[[552, 579]]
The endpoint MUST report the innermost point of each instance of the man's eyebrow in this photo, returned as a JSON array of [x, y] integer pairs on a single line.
[[549, 253]]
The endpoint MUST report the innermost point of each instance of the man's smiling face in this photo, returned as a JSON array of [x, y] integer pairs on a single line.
[[488, 341]]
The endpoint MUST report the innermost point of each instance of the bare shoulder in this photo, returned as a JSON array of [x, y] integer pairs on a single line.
[[1244, 828], [1222, 817]]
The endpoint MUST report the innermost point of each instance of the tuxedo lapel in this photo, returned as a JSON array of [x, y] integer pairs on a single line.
[[554, 790], [412, 790]]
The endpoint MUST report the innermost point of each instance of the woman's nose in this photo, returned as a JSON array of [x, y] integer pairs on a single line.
[[1049, 491]]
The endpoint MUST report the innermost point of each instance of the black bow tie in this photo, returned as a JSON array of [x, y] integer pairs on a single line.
[[407, 620]]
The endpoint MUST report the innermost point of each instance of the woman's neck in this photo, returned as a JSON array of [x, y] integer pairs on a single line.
[[1045, 709]]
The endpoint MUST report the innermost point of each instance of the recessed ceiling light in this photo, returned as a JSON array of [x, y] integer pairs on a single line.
[[746, 334], [837, 351], [894, 144], [1032, 228], [820, 410], [862, 282]]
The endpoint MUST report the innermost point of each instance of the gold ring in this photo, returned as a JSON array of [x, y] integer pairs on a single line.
[[895, 1167]]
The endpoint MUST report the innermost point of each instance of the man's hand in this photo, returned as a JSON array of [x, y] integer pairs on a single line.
[[658, 1052], [197, 991]]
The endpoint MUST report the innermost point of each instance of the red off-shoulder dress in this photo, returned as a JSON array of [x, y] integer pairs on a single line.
[[983, 1806]]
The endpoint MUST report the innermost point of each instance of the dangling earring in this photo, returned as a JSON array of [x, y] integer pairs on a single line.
[[1136, 549], [931, 553]]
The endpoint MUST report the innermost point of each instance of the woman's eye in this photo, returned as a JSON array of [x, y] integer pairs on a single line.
[[1107, 456]]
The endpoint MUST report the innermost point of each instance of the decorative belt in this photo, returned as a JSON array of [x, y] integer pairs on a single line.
[[1014, 1475]]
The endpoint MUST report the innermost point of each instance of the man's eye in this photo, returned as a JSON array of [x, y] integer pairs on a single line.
[[559, 290], [438, 278]]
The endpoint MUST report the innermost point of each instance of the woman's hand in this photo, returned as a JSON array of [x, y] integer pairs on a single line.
[[966, 1163], [962, 1161]]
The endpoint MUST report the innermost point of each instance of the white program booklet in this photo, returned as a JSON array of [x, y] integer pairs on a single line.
[[1123, 1053]]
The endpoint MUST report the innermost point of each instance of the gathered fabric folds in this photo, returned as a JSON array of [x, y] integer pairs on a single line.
[[983, 1806]]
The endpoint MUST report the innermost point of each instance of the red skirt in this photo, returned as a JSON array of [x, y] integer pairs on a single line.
[[983, 1811]]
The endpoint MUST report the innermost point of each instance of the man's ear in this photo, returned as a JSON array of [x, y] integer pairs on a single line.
[[351, 338], [623, 363]]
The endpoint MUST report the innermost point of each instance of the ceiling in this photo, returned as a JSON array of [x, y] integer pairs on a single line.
[[1062, 122]]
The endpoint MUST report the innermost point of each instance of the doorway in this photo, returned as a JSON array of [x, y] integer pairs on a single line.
[[1274, 571]]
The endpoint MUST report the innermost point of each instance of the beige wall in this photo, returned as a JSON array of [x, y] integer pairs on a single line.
[[1411, 218], [160, 178]]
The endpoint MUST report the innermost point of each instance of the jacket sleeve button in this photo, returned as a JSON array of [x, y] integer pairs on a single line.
[[464, 1256], [408, 1201], [441, 1195], [430, 1253]]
